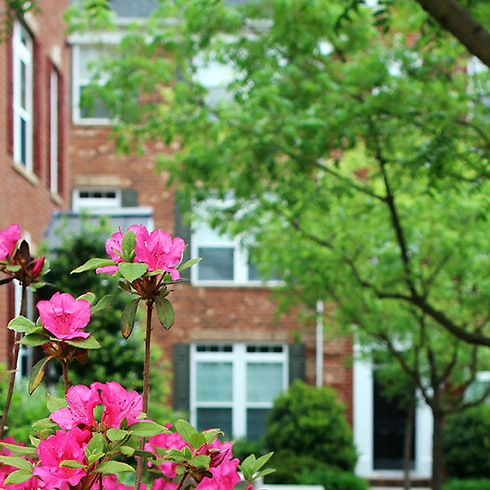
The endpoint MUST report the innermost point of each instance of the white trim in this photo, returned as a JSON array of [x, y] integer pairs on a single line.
[[53, 131], [92, 203], [22, 54]]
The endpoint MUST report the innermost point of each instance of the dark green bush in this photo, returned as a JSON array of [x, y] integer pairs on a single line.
[[333, 479], [242, 448], [290, 466], [478, 484], [310, 423], [466, 444]]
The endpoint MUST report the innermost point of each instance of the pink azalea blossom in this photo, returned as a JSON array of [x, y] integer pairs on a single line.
[[161, 252], [57, 448], [80, 411], [8, 239], [162, 484], [225, 476], [114, 250], [156, 249], [166, 441], [64, 316], [119, 404]]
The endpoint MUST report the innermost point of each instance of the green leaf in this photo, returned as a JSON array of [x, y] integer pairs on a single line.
[[16, 462], [104, 302], [146, 429], [34, 339], [95, 447], [128, 317], [127, 450], [200, 461], [144, 454], [34, 440], [261, 462], [185, 430], [114, 467], [71, 463], [197, 440], [24, 450], [116, 434], [37, 374], [44, 424], [188, 264], [90, 297], [165, 312], [17, 477], [212, 434], [88, 343], [93, 264], [132, 271], [21, 324], [128, 245], [55, 403]]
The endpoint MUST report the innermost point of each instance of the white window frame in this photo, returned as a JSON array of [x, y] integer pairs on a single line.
[[22, 54], [54, 163], [239, 357], [78, 81], [92, 203]]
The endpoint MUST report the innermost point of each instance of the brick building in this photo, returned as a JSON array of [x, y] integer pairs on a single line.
[[231, 356]]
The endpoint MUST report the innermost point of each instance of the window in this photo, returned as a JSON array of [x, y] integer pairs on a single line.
[[84, 59], [225, 262], [22, 56], [54, 121], [96, 198], [233, 385]]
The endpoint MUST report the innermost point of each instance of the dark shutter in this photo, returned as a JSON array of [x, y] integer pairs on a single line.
[[183, 230], [297, 360], [129, 198], [181, 377]]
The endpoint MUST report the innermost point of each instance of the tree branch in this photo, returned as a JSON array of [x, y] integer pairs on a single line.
[[457, 20]]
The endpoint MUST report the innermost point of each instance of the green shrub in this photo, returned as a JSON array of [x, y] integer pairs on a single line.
[[466, 444], [242, 448], [24, 410], [333, 479], [478, 484], [308, 423], [290, 466]]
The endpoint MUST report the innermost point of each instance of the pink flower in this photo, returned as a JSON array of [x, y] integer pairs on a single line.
[[119, 404], [64, 316], [113, 247], [225, 476], [162, 484], [166, 441], [111, 483], [156, 249], [8, 239], [37, 266], [160, 251], [57, 448], [80, 411]]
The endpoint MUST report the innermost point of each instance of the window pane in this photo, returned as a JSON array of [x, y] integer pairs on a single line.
[[214, 382], [23, 87], [23, 141], [216, 264], [264, 381], [215, 418], [92, 105], [256, 418]]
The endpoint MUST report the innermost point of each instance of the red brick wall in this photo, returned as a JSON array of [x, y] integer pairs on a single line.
[[23, 199]]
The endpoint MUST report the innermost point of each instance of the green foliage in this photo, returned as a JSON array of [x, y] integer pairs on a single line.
[[332, 479], [466, 444], [242, 448], [25, 409], [310, 422], [478, 484]]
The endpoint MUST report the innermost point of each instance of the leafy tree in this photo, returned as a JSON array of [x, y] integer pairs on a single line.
[[357, 157]]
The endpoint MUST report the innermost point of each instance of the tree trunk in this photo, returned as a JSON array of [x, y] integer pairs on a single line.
[[438, 474]]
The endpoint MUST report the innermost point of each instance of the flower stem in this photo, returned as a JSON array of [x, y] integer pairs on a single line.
[[13, 366], [146, 387], [181, 483], [65, 376]]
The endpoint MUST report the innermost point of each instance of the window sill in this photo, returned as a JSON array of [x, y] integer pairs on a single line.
[[93, 122], [56, 198], [29, 176]]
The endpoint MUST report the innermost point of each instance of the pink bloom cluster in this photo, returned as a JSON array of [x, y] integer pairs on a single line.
[[64, 316], [222, 466], [118, 404], [156, 249], [5, 470], [8, 239]]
